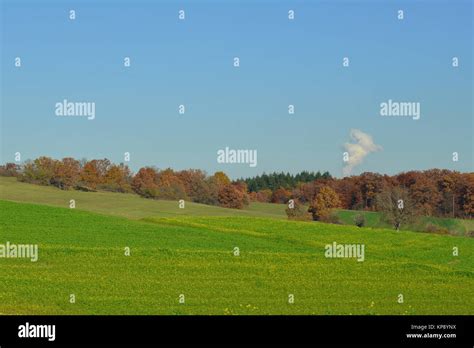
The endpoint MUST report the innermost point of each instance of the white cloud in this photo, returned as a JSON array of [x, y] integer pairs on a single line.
[[363, 145]]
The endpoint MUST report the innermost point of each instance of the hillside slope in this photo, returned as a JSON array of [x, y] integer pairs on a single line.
[[459, 227], [126, 205], [82, 253]]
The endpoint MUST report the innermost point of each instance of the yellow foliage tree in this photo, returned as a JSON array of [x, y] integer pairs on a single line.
[[326, 200]]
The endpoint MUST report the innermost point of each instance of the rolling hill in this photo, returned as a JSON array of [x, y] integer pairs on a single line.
[[123, 204], [82, 253]]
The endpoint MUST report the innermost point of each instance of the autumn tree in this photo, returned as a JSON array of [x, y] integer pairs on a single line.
[[10, 169], [90, 176], [93, 173], [193, 181], [242, 187], [466, 195], [67, 173], [264, 196], [117, 179], [447, 190], [304, 192], [221, 178], [323, 204], [348, 192], [169, 185], [280, 195], [253, 196], [406, 179], [425, 195], [144, 182], [370, 185], [231, 197], [40, 171]]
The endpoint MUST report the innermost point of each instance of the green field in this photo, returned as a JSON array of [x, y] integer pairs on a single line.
[[135, 207], [458, 227], [126, 205], [81, 252]]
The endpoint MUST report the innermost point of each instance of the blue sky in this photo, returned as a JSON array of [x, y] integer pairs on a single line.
[[283, 62]]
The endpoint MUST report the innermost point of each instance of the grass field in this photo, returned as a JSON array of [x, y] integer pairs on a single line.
[[82, 253], [135, 207], [126, 205], [374, 219]]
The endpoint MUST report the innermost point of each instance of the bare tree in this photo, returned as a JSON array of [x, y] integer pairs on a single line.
[[396, 206]]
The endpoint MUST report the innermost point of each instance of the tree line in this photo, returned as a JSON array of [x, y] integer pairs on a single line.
[[434, 192], [149, 182], [274, 181]]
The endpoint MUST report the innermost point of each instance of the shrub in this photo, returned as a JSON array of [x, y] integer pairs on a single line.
[[432, 228], [40, 171], [297, 211], [84, 188], [331, 218], [359, 220], [10, 169]]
